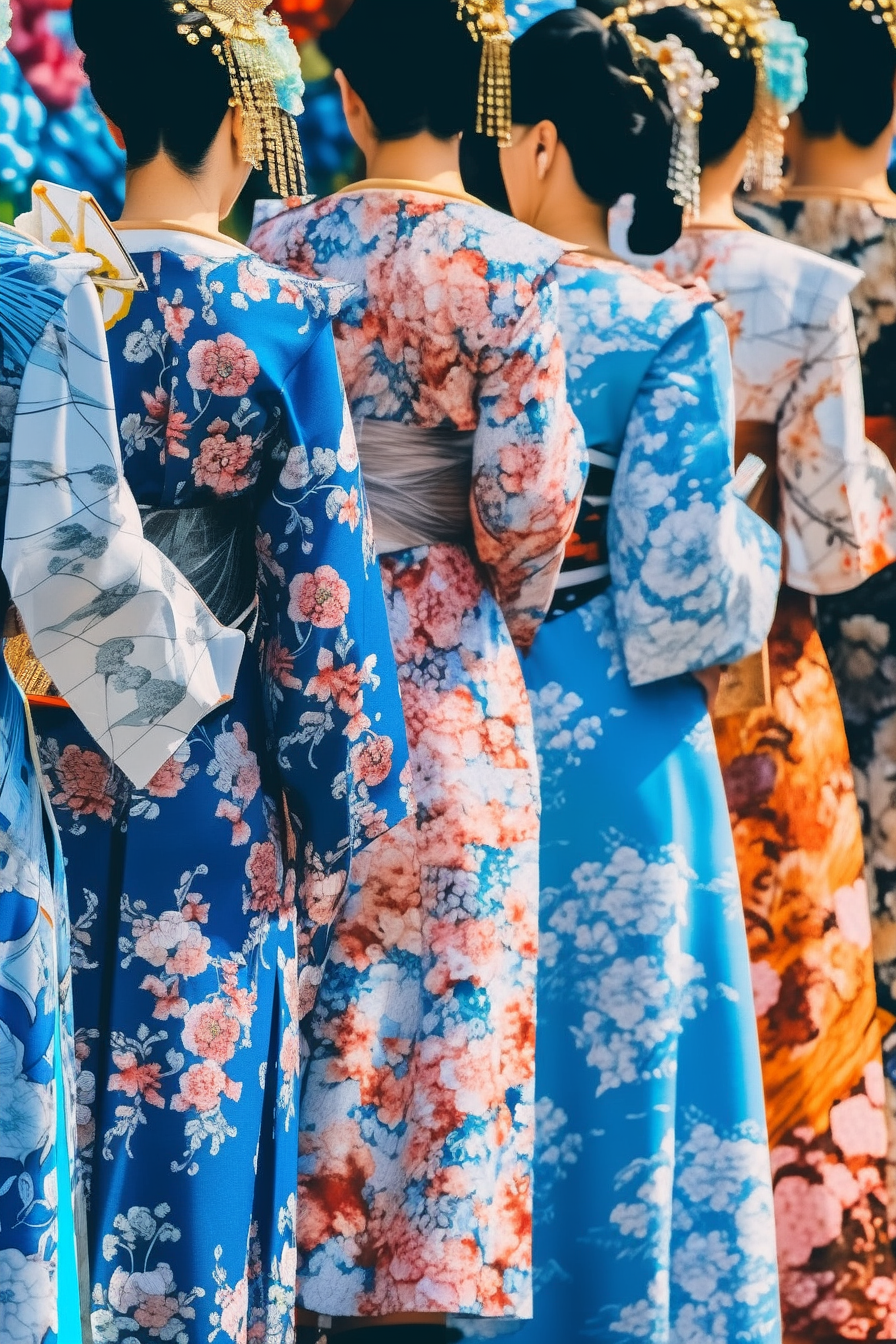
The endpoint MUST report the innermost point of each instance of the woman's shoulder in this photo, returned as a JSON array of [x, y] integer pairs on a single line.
[[375, 221], [749, 263], [631, 308]]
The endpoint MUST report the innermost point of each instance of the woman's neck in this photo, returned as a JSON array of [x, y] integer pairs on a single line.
[[421, 158], [161, 191], [836, 164], [574, 218], [718, 184]]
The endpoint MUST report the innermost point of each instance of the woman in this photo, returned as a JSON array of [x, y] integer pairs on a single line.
[[415, 1191], [201, 900], [839, 202], [644, 973], [785, 762]]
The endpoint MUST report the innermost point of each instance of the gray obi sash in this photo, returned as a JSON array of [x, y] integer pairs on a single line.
[[417, 482], [213, 547]]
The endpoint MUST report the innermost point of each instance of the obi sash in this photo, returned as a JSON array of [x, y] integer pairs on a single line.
[[417, 483], [586, 567]]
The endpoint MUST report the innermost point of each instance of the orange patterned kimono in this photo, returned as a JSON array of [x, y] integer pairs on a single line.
[[790, 790]]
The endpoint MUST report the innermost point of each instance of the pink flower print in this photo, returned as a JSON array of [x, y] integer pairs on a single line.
[[263, 545], [226, 366], [309, 984], [873, 1074], [234, 1304], [322, 894], [264, 872], [191, 956], [168, 1002], [841, 1182], [210, 1032], [243, 1001], [321, 598], [371, 761], [150, 1292], [350, 512], [135, 1079], [85, 783], [766, 986], [222, 463], [177, 318], [201, 1088], [254, 286], [858, 1128], [854, 913], [193, 910], [232, 812], [342, 685], [806, 1216], [235, 765], [156, 404], [168, 780]]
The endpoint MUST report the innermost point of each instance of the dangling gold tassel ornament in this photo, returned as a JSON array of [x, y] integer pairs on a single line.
[[487, 23], [265, 79]]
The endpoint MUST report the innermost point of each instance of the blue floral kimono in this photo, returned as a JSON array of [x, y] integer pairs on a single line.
[[96, 599], [201, 902], [653, 1193]]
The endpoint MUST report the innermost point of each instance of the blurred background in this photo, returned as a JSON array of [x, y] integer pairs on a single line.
[[50, 127]]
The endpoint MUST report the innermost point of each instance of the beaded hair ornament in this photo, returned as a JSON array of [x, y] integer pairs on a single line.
[[265, 79], [487, 23], [753, 29], [883, 11], [687, 82]]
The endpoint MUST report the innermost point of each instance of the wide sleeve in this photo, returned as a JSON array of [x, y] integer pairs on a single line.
[[529, 464], [695, 572], [838, 492], [125, 638], [331, 686]]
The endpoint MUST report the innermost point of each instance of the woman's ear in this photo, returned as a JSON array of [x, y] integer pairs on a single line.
[[546, 141]]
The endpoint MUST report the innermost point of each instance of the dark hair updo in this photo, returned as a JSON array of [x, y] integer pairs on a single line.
[[579, 73], [414, 65], [851, 67], [161, 92], [728, 109]]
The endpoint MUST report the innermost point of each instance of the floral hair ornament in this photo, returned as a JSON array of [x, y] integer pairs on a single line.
[[487, 23], [882, 11], [687, 83], [265, 79]]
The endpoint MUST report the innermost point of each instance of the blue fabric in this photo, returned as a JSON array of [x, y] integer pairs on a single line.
[[653, 1193]]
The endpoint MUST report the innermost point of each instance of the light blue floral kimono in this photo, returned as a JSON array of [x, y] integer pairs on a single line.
[[653, 1196], [88, 587]]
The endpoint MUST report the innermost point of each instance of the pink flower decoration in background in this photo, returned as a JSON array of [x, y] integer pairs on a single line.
[[226, 366]]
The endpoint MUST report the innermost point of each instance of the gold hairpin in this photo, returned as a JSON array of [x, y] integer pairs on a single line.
[[487, 23]]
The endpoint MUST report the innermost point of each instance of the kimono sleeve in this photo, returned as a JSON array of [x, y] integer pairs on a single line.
[[331, 686], [126, 639], [529, 465], [838, 492], [695, 572]]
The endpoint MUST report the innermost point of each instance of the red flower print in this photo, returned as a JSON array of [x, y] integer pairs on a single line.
[[340, 684], [191, 955], [201, 1088], [210, 1032], [156, 1312], [85, 783], [168, 780], [226, 366], [177, 318], [322, 894], [280, 663], [135, 1079], [372, 760], [232, 812], [167, 996], [321, 598], [221, 464], [156, 403], [193, 911]]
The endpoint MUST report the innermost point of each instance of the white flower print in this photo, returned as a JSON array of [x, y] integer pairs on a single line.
[[27, 1300]]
